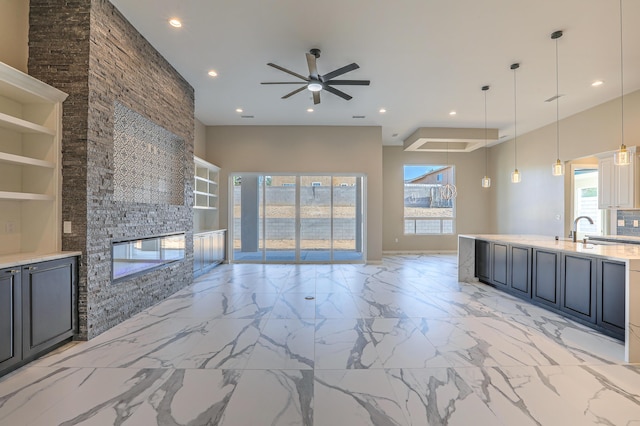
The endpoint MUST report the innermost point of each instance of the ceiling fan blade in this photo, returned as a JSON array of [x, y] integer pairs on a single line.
[[340, 71], [311, 62], [316, 98], [300, 89], [337, 92], [278, 67], [349, 82], [281, 82]]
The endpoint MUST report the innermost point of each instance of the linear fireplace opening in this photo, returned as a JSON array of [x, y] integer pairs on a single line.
[[141, 255]]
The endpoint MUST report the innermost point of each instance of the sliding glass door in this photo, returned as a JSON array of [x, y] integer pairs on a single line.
[[297, 218]]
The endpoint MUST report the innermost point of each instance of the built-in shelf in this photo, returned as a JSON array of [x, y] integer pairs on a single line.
[[25, 196], [22, 126], [26, 161], [30, 170], [205, 185]]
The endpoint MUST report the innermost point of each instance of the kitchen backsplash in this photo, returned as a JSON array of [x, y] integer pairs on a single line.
[[628, 229]]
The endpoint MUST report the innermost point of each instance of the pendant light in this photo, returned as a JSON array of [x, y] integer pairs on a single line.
[[557, 169], [486, 180], [449, 190], [515, 175], [621, 156]]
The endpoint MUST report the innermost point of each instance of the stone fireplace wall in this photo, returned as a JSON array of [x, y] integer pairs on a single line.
[[89, 50]]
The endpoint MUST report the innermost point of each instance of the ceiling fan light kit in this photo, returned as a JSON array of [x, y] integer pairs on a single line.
[[316, 82]]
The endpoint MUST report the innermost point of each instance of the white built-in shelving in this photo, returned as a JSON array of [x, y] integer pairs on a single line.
[[206, 185], [30, 159]]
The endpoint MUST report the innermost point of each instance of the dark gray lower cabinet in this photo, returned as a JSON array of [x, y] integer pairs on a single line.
[[520, 271], [589, 289], [546, 277], [483, 263], [578, 286], [10, 318], [37, 309], [611, 297], [48, 310], [499, 254]]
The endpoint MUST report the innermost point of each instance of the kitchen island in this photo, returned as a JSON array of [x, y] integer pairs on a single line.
[[596, 284]]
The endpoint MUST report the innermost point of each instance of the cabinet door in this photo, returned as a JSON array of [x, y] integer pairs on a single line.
[[606, 187], [578, 294], [611, 297], [10, 318], [546, 277], [520, 271], [483, 264], [198, 256], [499, 264], [624, 180], [48, 304]]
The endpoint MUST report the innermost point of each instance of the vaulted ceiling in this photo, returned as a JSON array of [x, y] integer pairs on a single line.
[[425, 58]]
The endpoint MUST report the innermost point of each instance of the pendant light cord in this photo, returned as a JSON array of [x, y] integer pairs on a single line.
[[557, 105], [621, 81], [486, 152], [515, 118]]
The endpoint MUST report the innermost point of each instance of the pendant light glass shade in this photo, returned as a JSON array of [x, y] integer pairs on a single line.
[[557, 169], [515, 176], [486, 182], [621, 157]]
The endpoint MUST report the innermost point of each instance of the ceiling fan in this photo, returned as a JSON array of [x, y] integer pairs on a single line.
[[316, 82]]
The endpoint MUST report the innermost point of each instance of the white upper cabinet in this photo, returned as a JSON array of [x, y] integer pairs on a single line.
[[617, 188]]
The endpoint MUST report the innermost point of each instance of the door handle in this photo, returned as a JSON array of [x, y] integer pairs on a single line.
[[31, 268], [13, 271]]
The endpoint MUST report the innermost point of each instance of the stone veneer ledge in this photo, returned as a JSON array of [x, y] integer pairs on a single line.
[[88, 49]]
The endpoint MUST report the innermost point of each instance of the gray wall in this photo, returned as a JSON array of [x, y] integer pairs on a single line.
[[472, 202], [303, 149], [106, 60], [537, 204], [14, 15]]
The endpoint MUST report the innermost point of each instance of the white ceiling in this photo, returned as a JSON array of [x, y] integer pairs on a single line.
[[424, 58]]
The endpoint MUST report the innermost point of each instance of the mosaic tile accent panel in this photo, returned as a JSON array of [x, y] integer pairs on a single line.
[[628, 229], [148, 160]]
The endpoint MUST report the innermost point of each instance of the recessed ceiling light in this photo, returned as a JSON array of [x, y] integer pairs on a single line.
[[309, 109], [239, 110], [212, 73], [597, 83], [382, 111], [452, 113], [175, 22]]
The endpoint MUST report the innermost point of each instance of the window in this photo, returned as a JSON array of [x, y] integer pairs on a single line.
[[426, 212], [316, 183]]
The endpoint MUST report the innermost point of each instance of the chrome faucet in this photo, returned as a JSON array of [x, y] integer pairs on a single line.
[[575, 225]]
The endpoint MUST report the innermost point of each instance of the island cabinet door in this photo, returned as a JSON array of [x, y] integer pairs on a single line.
[[611, 296], [578, 287], [546, 277], [499, 264], [520, 271], [483, 261], [10, 318]]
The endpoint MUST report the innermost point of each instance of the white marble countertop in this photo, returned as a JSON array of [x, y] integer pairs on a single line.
[[619, 238], [19, 259], [611, 251]]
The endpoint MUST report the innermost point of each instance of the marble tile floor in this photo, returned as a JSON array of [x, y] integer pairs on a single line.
[[402, 343]]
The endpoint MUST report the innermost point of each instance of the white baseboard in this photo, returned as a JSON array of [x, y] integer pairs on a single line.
[[419, 252]]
